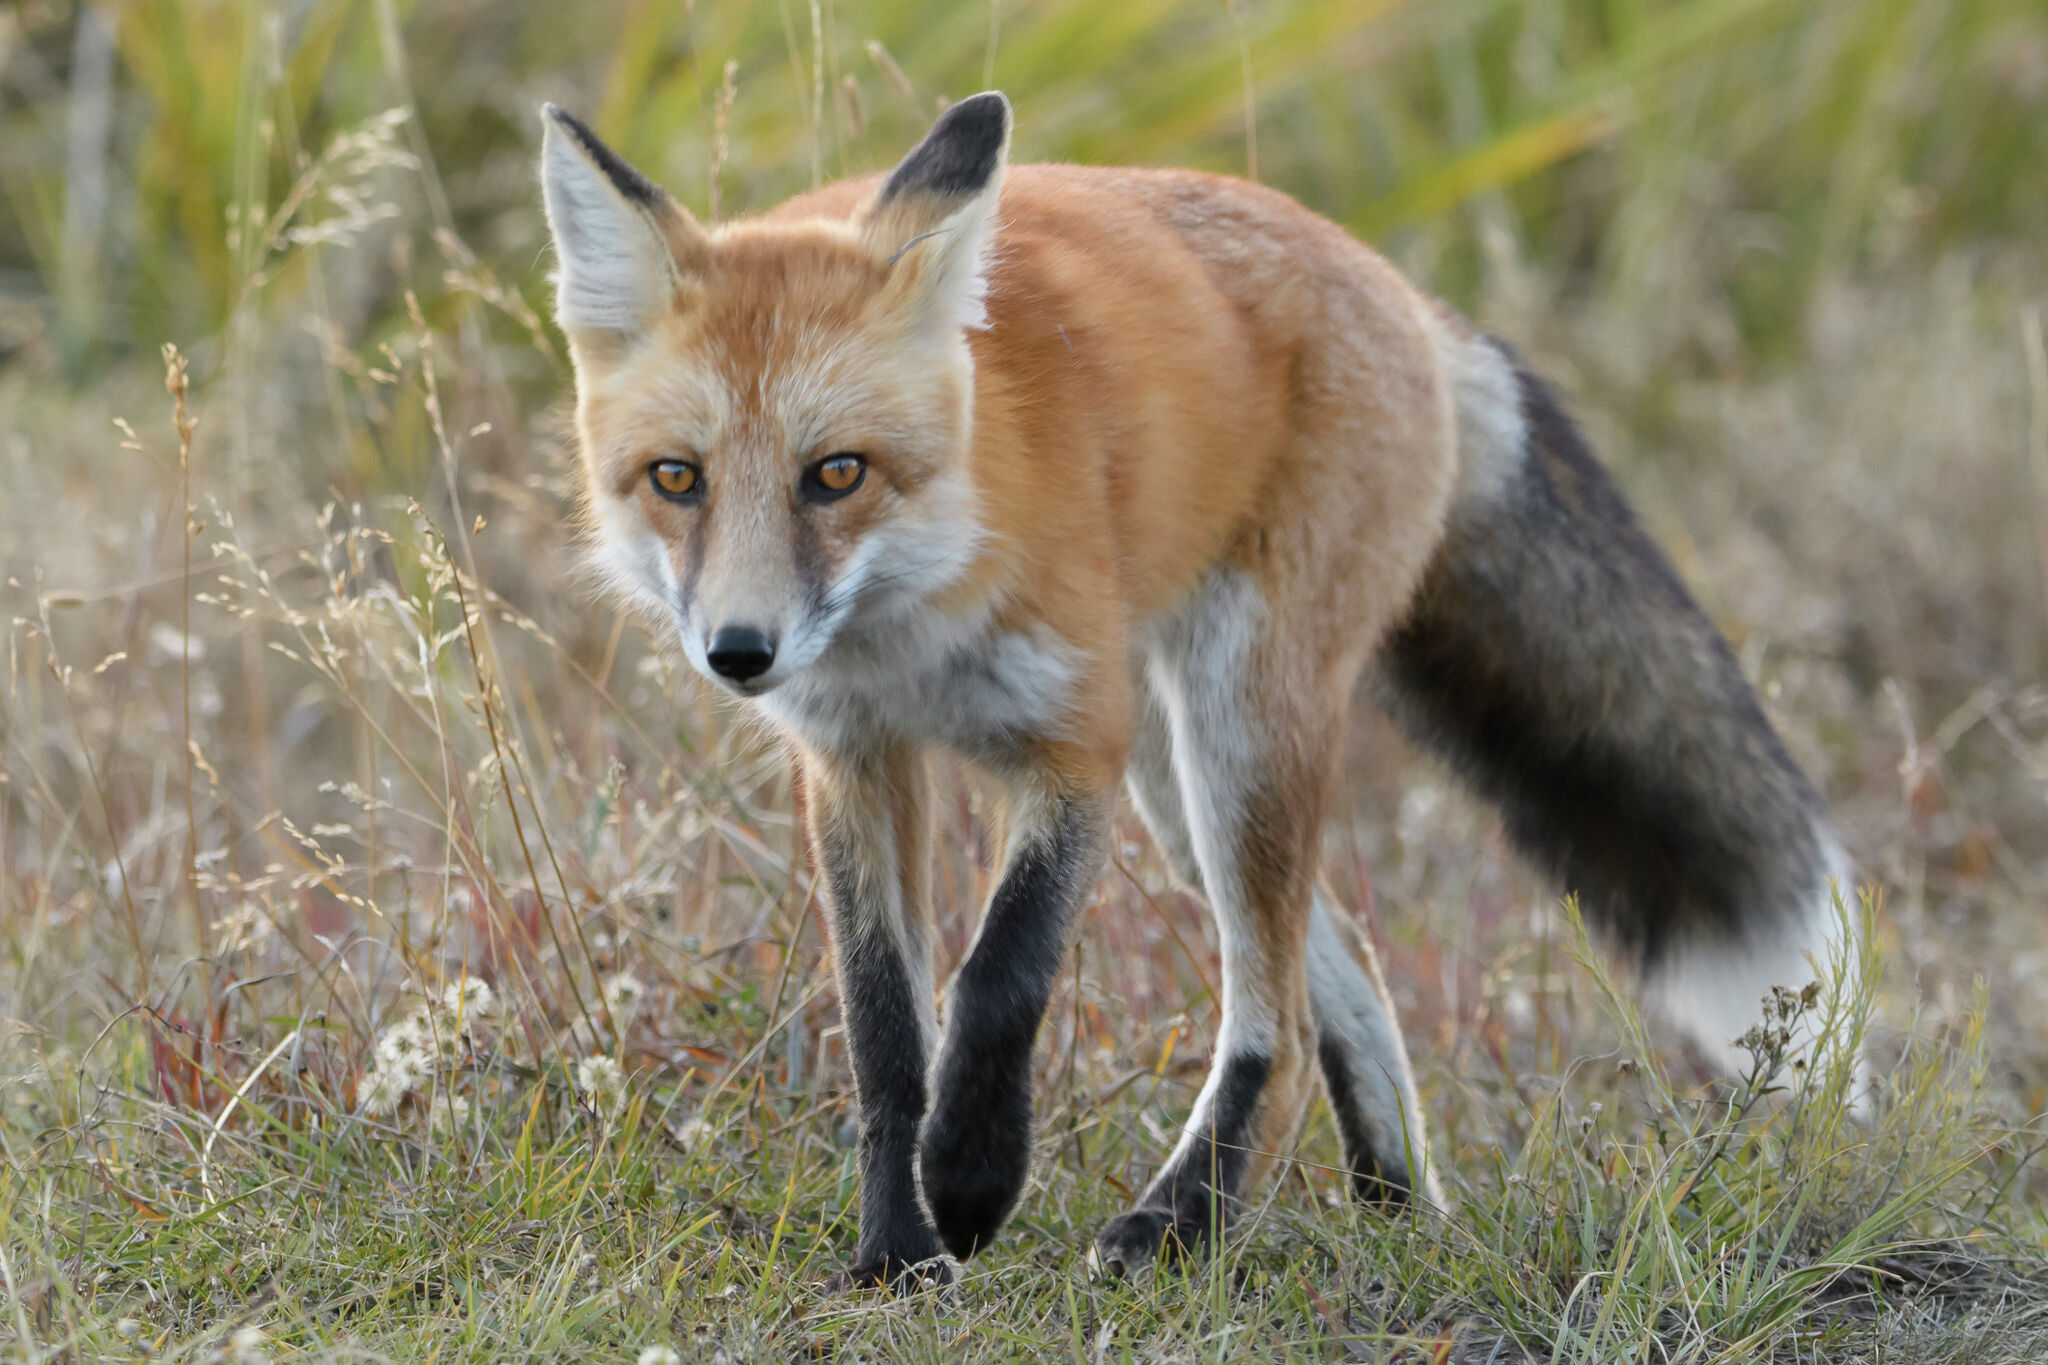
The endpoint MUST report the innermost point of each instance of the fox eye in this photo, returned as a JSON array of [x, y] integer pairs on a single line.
[[835, 476], [676, 480]]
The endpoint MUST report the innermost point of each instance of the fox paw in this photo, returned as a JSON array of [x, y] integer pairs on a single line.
[[893, 1274], [1130, 1242], [972, 1179]]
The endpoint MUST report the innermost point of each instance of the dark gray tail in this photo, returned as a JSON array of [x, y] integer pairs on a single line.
[[1555, 659]]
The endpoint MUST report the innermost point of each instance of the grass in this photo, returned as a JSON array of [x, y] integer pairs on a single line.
[[308, 716], [512, 1204]]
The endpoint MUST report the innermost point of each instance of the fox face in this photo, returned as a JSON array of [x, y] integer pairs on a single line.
[[775, 418], [768, 471]]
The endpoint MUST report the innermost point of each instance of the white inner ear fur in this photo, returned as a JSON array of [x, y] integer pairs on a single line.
[[613, 270], [951, 281]]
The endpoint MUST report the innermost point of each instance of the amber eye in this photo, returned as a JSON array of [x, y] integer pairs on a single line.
[[835, 476], [675, 480]]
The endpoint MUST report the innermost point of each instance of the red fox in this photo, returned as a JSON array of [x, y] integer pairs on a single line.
[[1102, 477]]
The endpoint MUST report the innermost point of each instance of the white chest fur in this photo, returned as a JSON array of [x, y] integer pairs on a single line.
[[976, 688]]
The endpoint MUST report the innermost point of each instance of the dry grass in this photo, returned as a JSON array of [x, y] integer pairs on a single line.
[[376, 740]]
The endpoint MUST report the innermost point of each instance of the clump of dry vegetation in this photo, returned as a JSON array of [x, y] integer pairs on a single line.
[[399, 954]]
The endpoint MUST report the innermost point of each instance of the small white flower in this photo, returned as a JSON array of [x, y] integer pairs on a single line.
[[624, 992], [693, 1133], [380, 1091], [443, 1039], [469, 999], [658, 1355], [604, 1080], [247, 1345], [409, 1071], [449, 1112], [411, 1039], [425, 1037]]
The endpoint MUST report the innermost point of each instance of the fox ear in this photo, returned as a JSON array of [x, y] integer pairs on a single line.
[[625, 250], [933, 217]]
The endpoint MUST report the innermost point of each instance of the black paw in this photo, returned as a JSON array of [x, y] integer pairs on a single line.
[[973, 1173], [1132, 1241], [895, 1274], [1376, 1191]]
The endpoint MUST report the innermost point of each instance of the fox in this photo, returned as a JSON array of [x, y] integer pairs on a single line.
[[1113, 479]]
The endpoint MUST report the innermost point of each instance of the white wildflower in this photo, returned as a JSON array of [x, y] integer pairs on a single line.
[[604, 1080], [247, 1345], [469, 999], [658, 1355], [426, 1035], [379, 1092], [449, 1112], [693, 1133], [443, 1038], [624, 992], [411, 1039], [410, 1071]]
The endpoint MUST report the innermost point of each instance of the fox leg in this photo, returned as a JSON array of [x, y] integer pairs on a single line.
[[1155, 789], [976, 1149], [867, 822], [1365, 1065], [1358, 1038], [1250, 719]]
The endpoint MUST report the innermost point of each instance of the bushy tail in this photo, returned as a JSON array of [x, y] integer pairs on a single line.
[[1554, 658]]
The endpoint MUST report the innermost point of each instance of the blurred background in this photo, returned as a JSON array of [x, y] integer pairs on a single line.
[[359, 720]]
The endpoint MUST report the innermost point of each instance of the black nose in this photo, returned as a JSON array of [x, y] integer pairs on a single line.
[[740, 653]]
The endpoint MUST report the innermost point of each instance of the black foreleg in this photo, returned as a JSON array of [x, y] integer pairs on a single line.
[[976, 1149], [868, 831]]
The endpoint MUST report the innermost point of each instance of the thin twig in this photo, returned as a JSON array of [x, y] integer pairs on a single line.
[[178, 382]]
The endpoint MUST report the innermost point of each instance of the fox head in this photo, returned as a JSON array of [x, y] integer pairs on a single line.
[[774, 416]]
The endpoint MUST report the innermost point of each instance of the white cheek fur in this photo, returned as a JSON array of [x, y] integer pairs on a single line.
[[878, 660], [631, 560]]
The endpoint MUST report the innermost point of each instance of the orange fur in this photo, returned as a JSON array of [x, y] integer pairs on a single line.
[[1135, 441], [1181, 371]]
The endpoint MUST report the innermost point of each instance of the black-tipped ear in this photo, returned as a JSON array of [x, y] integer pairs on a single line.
[[637, 188], [624, 250], [933, 220], [959, 156]]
